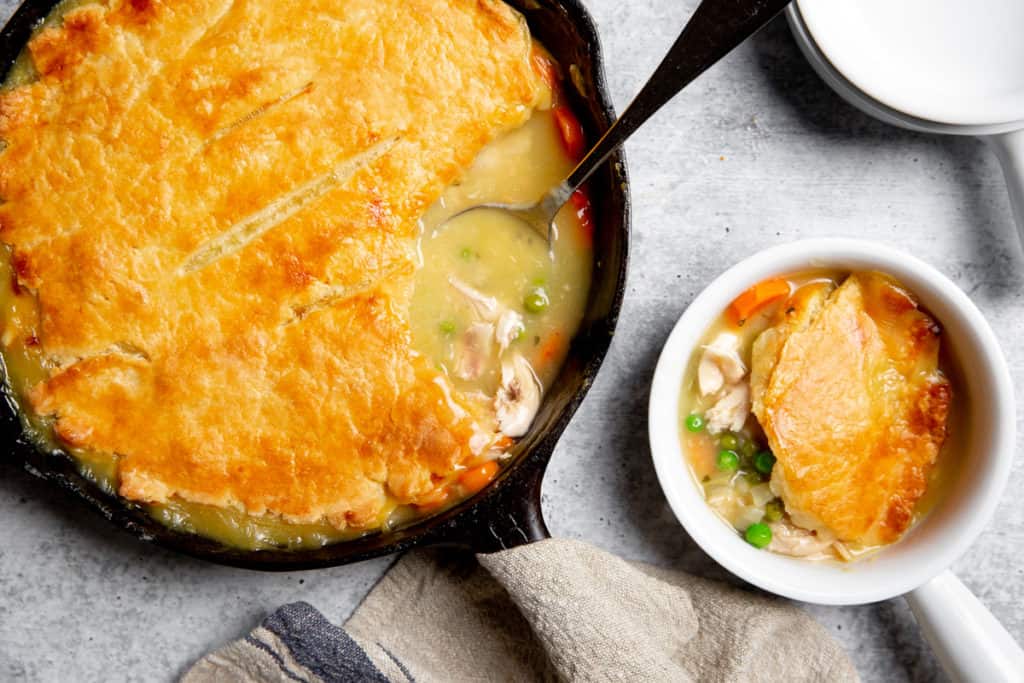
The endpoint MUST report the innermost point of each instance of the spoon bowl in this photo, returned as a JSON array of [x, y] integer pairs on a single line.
[[539, 216]]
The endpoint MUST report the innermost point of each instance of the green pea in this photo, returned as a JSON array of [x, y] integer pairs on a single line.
[[758, 535], [728, 441], [773, 510], [536, 301], [447, 327], [694, 422], [727, 461], [764, 462], [748, 448]]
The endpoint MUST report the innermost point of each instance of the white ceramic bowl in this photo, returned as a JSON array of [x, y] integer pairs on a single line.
[[959, 63], [945, 534], [878, 82]]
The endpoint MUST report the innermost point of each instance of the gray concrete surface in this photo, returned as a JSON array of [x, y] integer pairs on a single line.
[[758, 152]]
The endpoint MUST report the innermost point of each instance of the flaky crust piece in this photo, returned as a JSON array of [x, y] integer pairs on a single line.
[[850, 396], [215, 203]]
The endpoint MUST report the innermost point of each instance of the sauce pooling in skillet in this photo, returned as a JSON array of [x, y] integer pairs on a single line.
[[538, 297]]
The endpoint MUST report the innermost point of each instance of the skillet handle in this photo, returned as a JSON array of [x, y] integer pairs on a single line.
[[507, 514]]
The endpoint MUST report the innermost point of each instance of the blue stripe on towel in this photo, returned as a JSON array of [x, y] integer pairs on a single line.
[[321, 647], [398, 663]]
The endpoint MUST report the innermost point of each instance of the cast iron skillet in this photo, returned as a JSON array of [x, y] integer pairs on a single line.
[[508, 512]]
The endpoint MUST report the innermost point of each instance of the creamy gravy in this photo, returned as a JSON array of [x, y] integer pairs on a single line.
[[501, 257]]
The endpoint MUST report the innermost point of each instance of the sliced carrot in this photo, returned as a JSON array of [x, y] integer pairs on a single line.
[[476, 478], [757, 297], [544, 67], [571, 130], [551, 348], [584, 212]]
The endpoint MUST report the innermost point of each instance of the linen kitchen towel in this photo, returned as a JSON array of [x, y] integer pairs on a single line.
[[553, 610]]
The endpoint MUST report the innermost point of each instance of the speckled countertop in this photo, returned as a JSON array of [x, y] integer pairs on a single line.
[[758, 152]]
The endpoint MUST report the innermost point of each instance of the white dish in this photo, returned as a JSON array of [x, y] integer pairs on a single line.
[[912, 564], [892, 61], [959, 63]]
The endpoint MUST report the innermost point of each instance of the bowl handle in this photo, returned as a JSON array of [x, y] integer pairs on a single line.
[[967, 639], [1009, 148]]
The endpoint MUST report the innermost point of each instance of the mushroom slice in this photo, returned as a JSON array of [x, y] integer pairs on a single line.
[[486, 307], [508, 328], [518, 397], [474, 349]]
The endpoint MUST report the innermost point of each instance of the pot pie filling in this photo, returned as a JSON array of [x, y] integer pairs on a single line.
[[816, 414], [234, 297]]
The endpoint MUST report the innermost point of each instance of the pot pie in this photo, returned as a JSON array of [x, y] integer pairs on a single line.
[[817, 411], [234, 296]]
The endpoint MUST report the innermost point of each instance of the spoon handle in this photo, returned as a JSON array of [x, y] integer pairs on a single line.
[[716, 27]]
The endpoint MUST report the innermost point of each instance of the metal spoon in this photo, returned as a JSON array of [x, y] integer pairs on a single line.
[[716, 27]]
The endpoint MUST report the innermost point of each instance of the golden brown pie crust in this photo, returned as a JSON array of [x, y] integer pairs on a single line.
[[216, 204], [852, 401]]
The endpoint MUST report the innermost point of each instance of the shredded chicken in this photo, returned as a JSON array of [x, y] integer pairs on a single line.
[[508, 328], [518, 398], [721, 376], [486, 307], [843, 551], [730, 411], [720, 365], [475, 347], [788, 539]]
